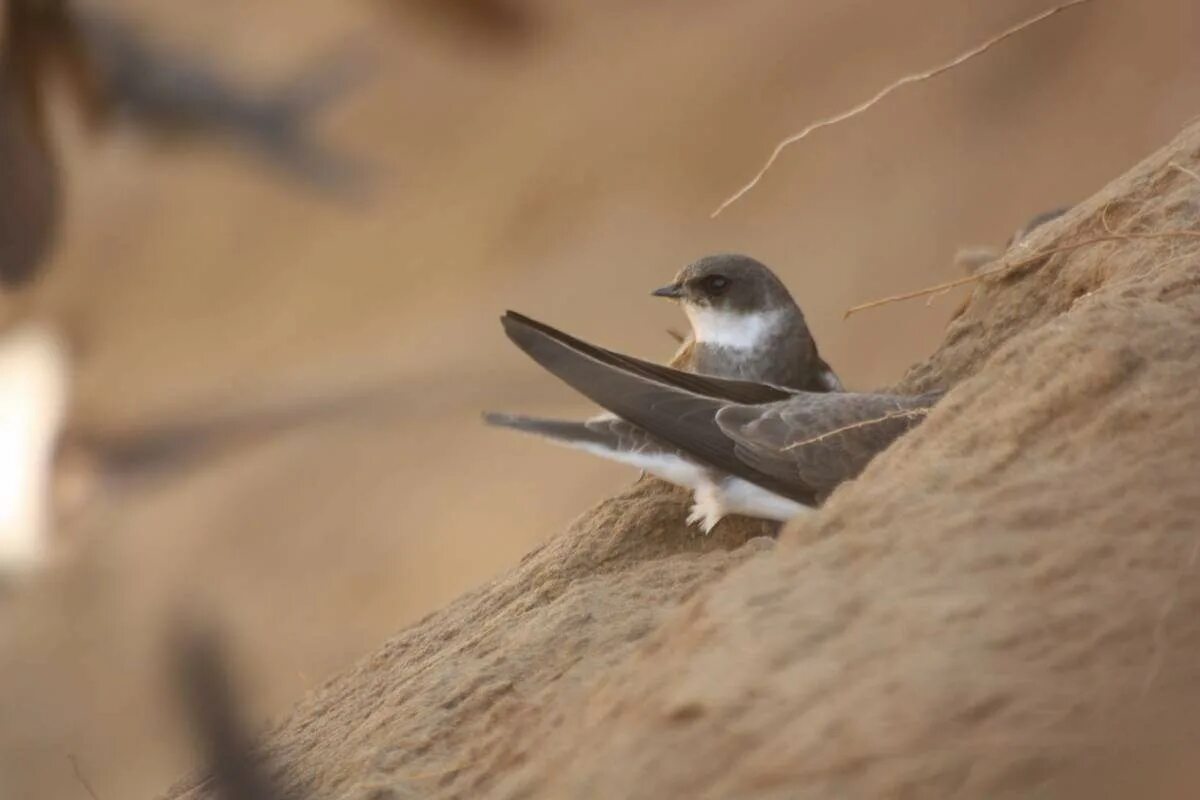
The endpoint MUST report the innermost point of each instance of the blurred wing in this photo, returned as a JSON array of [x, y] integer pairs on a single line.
[[205, 687], [181, 441], [169, 93], [28, 192]]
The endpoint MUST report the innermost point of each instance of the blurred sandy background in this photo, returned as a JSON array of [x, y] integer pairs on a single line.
[[564, 173]]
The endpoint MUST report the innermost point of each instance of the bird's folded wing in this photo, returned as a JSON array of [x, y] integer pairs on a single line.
[[819, 440]]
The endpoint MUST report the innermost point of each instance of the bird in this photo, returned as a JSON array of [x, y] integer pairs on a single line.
[[111, 72], [741, 447], [745, 325]]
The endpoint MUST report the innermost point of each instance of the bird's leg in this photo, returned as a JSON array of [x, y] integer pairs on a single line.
[[707, 511]]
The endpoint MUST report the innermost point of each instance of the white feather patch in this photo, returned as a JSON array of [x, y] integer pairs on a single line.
[[671, 468], [734, 330], [33, 402], [738, 496]]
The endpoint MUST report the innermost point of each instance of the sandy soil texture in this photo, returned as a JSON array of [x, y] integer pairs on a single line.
[[973, 616]]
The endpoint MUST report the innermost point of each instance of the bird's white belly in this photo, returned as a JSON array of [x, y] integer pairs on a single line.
[[742, 497], [716, 499]]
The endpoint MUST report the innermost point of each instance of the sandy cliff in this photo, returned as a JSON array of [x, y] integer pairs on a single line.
[[969, 617]]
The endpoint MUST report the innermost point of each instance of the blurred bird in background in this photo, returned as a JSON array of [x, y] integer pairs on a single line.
[[51, 468], [113, 73]]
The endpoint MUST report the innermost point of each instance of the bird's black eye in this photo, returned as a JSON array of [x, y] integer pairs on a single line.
[[715, 284]]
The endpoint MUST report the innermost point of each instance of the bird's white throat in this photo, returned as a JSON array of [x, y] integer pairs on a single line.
[[732, 329]]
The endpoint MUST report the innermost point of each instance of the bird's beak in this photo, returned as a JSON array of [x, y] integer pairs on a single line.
[[674, 291]]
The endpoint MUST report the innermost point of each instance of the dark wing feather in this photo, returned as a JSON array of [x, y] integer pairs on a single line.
[[29, 191], [632, 390], [236, 770], [820, 440], [523, 330], [606, 431]]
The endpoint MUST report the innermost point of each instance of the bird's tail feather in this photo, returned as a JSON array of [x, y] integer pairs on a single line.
[[564, 431], [599, 439]]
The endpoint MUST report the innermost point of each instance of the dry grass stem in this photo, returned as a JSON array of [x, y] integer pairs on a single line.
[[880, 95], [1189, 172], [905, 414], [1015, 265], [1108, 228]]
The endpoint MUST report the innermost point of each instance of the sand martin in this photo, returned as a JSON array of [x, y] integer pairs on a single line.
[[745, 325], [741, 447]]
